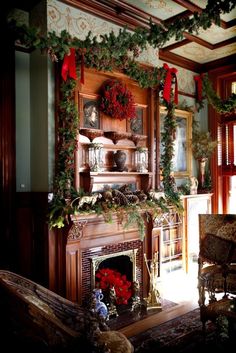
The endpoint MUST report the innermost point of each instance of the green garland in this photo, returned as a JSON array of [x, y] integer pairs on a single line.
[[167, 140], [110, 53], [226, 106]]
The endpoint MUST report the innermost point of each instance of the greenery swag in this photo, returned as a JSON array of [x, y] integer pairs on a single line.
[[111, 52]]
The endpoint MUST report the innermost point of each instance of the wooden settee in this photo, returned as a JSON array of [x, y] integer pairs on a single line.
[[36, 319]]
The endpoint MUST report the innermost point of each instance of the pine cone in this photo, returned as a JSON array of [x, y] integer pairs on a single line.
[[132, 199], [141, 195], [120, 198], [125, 189]]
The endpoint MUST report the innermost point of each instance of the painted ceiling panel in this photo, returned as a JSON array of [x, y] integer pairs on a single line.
[[229, 16], [216, 34], [158, 8], [196, 52]]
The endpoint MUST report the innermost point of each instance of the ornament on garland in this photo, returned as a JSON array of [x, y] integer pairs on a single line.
[[117, 101], [170, 74]]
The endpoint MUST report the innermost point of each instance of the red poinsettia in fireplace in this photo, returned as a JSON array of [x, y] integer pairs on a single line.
[[107, 278]]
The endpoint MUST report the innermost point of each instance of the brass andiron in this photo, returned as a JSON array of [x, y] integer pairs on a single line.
[[136, 302], [112, 303], [153, 300]]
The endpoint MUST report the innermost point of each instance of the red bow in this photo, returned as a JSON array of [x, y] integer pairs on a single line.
[[68, 66], [198, 80], [168, 82]]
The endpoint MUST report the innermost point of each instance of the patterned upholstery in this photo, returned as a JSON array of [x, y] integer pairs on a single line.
[[51, 321], [217, 261]]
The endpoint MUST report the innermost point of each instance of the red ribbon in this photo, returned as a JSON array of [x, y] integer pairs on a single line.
[[68, 66], [198, 81], [168, 82]]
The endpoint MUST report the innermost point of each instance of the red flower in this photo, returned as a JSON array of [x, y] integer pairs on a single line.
[[108, 278], [117, 101]]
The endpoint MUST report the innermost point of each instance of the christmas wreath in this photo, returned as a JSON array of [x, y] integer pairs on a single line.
[[117, 101]]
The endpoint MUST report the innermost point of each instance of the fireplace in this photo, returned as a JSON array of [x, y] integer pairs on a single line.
[[126, 258]]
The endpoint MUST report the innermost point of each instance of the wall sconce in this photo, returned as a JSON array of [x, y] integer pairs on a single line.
[[95, 157], [141, 159]]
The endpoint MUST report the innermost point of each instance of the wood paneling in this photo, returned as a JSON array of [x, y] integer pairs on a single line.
[[32, 236], [7, 151]]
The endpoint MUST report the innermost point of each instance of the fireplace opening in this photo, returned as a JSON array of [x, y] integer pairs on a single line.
[[124, 262], [115, 272]]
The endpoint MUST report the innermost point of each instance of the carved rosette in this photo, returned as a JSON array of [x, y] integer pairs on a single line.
[[76, 231]]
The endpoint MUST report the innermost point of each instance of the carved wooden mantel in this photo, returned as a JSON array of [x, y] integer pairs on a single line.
[[88, 233]]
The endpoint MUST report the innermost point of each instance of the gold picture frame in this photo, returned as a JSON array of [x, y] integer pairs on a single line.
[[182, 160]]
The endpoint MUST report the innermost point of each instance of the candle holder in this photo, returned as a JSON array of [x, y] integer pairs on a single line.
[[95, 157], [141, 159]]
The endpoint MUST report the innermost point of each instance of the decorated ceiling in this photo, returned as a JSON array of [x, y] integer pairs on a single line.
[[195, 51], [207, 45]]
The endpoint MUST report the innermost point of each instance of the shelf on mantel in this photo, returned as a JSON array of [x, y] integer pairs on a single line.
[[115, 173], [89, 179]]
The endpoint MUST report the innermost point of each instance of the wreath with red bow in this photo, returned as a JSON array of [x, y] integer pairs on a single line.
[[117, 101]]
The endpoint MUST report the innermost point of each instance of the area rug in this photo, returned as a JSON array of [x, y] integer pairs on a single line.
[[183, 334]]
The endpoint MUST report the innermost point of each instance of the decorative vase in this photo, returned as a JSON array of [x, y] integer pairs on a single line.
[[202, 171], [120, 159], [95, 157], [141, 159]]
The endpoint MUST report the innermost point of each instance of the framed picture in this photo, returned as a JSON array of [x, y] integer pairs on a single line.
[[136, 125], [91, 116], [182, 159]]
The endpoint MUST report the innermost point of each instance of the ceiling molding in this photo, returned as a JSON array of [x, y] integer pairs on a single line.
[[179, 61], [105, 12], [116, 12], [188, 5], [176, 45], [183, 14], [230, 23], [224, 43], [226, 61], [198, 40]]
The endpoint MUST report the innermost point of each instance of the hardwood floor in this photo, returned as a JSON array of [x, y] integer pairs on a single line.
[[177, 287]]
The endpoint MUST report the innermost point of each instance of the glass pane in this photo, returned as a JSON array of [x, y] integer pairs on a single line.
[[232, 195], [233, 88], [234, 144]]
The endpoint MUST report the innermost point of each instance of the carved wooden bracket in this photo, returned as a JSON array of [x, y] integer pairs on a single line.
[[76, 231]]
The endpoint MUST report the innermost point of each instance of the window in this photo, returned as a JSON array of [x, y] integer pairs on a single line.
[[233, 87]]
